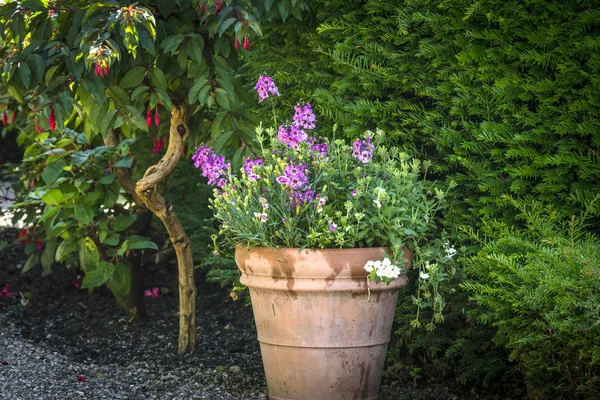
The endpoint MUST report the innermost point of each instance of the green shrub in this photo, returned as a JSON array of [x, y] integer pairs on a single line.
[[539, 288]]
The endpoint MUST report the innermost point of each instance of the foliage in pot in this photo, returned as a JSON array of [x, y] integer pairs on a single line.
[[303, 190]]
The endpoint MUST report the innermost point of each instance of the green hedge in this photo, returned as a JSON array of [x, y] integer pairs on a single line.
[[503, 96]]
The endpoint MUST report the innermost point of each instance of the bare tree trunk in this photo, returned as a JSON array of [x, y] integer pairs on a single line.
[[147, 190]]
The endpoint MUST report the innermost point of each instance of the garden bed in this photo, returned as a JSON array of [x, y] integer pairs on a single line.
[[64, 333]]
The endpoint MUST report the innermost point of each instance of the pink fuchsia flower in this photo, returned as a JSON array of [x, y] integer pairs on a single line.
[[81, 378], [265, 86], [152, 292], [158, 145], [52, 120], [5, 292]]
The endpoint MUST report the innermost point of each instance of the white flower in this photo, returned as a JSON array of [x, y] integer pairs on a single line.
[[451, 252], [377, 203], [264, 202], [423, 275], [384, 268], [262, 217]]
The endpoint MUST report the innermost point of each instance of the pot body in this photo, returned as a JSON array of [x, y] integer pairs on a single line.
[[322, 336]]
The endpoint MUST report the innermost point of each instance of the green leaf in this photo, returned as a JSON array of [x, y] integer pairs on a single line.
[[133, 77], [139, 242], [25, 74], [171, 44], [194, 48], [48, 212], [226, 24], [111, 194], [123, 222], [53, 197], [120, 280], [195, 89], [136, 118], [107, 179], [89, 256], [48, 255], [157, 77], [112, 239], [33, 259], [39, 66], [65, 248], [120, 96], [222, 98], [83, 214], [284, 10], [98, 276], [53, 171], [164, 97], [124, 162]]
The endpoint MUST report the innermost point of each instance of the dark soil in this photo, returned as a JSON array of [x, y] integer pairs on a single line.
[[88, 327]]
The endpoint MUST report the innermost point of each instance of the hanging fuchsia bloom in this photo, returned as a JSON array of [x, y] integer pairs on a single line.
[[236, 44], [5, 118], [249, 168], [101, 68], [81, 378], [363, 150], [156, 117], [158, 145], [265, 86], [213, 166], [219, 6], [52, 120], [304, 117], [14, 116], [246, 43], [152, 292], [149, 117]]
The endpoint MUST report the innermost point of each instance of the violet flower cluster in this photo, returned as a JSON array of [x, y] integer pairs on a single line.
[[249, 168], [363, 150], [291, 135], [213, 166], [294, 176], [304, 117], [265, 87]]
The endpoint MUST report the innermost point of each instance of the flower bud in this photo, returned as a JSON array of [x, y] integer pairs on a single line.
[[156, 118], [246, 43], [149, 117], [52, 120]]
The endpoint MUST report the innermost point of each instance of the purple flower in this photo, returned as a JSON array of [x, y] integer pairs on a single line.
[[264, 87], [249, 168], [213, 166], [363, 150], [321, 149], [295, 176], [291, 135], [304, 117], [299, 198], [332, 226], [353, 193]]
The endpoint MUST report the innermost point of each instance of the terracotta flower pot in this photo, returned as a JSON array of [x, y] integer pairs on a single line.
[[321, 336]]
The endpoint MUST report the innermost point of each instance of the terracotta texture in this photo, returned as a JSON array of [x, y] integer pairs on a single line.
[[321, 337]]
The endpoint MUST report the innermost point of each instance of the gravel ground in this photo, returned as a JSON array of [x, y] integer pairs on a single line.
[[34, 371]]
